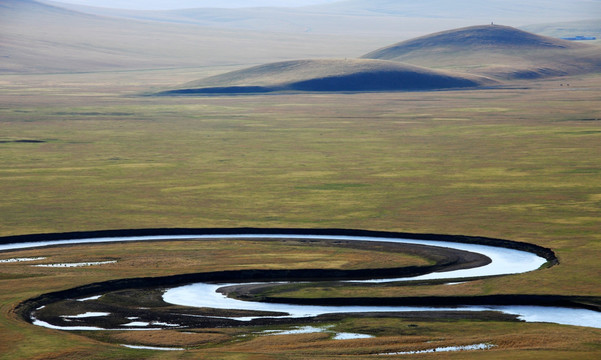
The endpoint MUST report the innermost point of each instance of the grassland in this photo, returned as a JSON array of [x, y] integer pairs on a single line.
[[519, 163]]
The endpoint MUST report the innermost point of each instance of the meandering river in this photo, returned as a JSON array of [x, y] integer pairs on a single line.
[[504, 261]]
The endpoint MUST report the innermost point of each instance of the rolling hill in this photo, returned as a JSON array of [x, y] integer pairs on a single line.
[[401, 19], [459, 58], [506, 11], [39, 38], [301, 21], [498, 51], [330, 75], [43, 37]]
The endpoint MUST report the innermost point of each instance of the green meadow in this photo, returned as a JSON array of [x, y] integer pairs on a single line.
[[92, 151]]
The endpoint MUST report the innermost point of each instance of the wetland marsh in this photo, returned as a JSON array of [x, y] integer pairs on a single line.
[[515, 163]]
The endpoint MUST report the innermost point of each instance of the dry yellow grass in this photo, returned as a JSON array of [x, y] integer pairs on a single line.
[[169, 338], [524, 337]]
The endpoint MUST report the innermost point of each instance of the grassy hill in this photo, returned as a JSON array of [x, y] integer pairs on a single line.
[[445, 58], [41, 38], [330, 75], [498, 51]]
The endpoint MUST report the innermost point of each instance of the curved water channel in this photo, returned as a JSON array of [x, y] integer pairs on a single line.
[[504, 261]]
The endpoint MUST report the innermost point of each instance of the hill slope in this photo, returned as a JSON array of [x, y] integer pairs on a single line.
[[494, 50], [330, 75], [381, 18], [36, 37]]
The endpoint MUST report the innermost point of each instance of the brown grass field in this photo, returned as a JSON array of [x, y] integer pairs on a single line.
[[519, 163]]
